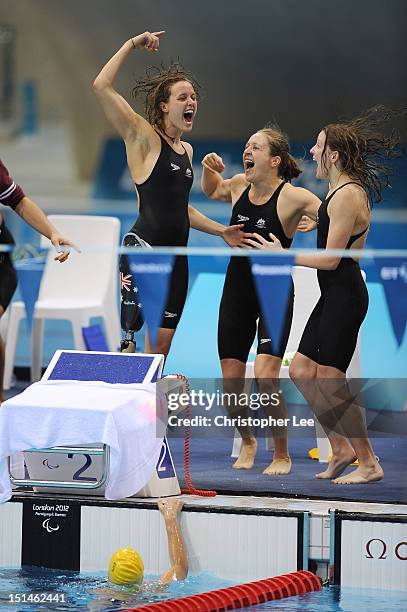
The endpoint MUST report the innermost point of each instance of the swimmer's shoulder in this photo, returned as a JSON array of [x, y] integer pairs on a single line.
[[238, 184]]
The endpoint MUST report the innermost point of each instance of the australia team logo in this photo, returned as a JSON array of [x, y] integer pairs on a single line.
[[261, 224]]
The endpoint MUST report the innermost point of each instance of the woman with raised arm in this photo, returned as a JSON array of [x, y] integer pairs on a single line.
[[352, 156], [263, 200], [160, 164]]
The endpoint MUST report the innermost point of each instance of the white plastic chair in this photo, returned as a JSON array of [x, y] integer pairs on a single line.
[[307, 293], [85, 286]]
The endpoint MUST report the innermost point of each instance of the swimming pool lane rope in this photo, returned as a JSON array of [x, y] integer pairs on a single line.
[[240, 596]]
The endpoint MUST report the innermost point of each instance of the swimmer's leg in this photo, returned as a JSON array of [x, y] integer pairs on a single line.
[[267, 373]]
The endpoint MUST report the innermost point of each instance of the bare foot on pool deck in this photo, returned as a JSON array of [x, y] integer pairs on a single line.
[[279, 466], [245, 461], [336, 466], [362, 475]]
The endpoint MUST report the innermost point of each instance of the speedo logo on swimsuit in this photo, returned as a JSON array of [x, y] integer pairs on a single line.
[[242, 218], [261, 223], [188, 173], [174, 167], [170, 315], [264, 340]]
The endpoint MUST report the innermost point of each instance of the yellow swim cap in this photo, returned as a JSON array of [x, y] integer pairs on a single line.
[[126, 567]]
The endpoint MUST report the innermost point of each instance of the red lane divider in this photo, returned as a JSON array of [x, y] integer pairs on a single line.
[[241, 596], [190, 489]]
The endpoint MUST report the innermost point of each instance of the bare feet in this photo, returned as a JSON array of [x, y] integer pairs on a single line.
[[279, 465], [362, 475], [336, 466], [245, 461]]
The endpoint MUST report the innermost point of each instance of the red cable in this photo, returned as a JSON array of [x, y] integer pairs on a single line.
[[190, 489], [241, 596]]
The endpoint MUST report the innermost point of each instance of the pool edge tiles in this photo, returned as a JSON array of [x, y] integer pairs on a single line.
[[370, 550], [11, 526], [136, 521], [82, 535]]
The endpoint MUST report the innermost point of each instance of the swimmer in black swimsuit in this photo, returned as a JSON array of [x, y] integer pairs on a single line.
[[349, 155], [263, 200], [12, 195], [160, 164]]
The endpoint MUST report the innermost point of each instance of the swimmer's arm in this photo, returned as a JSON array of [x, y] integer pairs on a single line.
[[309, 206], [233, 235], [213, 184], [176, 546], [116, 108], [342, 216], [307, 203], [203, 223]]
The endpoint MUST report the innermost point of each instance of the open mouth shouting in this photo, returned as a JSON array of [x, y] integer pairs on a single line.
[[189, 117], [248, 164]]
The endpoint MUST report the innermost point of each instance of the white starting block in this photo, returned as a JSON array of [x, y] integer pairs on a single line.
[[84, 469]]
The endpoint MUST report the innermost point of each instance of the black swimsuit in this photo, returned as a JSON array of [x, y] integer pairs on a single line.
[[331, 333], [240, 308], [163, 221]]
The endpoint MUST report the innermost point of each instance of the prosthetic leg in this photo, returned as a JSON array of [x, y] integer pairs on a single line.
[[131, 315]]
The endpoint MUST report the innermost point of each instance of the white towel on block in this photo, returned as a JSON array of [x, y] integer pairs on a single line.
[[130, 418]]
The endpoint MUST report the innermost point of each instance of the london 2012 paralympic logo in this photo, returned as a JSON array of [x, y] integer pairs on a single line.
[[49, 528], [379, 551]]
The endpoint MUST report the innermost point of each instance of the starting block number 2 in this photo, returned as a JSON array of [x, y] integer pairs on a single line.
[[87, 464], [165, 468]]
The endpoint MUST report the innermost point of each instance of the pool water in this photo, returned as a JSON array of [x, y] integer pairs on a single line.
[[334, 599], [76, 591], [87, 591]]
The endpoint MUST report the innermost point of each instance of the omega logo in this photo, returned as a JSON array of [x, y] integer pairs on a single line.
[[379, 551]]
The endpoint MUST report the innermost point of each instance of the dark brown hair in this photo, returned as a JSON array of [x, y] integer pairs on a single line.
[[156, 88], [279, 145], [364, 149]]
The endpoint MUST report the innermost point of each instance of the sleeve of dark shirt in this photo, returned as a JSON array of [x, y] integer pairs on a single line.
[[11, 193]]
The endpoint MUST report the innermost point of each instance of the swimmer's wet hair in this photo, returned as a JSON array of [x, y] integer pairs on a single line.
[[156, 88], [365, 149], [280, 146]]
